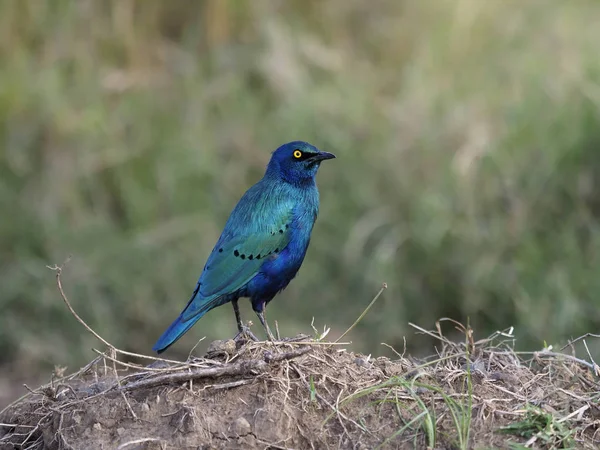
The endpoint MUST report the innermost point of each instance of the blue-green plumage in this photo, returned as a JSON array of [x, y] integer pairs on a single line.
[[263, 243]]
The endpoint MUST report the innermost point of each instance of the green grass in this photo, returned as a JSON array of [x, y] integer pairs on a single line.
[[543, 427], [467, 173], [419, 415]]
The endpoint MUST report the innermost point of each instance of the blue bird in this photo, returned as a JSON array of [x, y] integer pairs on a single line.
[[263, 244]]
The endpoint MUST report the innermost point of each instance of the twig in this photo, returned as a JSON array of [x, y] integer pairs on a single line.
[[195, 346], [58, 270], [562, 355], [113, 349], [114, 364], [383, 288], [270, 445], [137, 441], [277, 334], [36, 428], [81, 371], [247, 367], [230, 385], [15, 425], [67, 377], [578, 412], [586, 335], [269, 357], [337, 410], [324, 400], [596, 368], [392, 349], [178, 366], [431, 333], [315, 343]]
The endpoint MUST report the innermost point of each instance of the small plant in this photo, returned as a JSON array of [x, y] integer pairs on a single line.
[[541, 427], [318, 335]]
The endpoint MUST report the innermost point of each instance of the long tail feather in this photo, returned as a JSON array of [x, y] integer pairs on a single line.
[[177, 329]]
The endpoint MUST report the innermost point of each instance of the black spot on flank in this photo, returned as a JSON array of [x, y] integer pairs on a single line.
[[276, 250], [251, 257], [258, 256], [280, 231], [243, 256], [207, 267], [287, 225], [220, 250], [236, 253]]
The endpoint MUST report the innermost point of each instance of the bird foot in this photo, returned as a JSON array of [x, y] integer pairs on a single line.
[[270, 336], [245, 333]]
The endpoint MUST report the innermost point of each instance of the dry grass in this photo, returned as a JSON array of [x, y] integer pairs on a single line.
[[295, 395], [305, 393]]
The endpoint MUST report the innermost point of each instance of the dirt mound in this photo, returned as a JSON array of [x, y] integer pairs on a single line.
[[314, 395]]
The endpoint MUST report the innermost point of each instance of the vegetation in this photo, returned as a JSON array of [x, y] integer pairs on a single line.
[[467, 178], [304, 394]]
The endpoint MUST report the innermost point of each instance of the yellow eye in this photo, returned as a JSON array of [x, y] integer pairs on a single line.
[[297, 154]]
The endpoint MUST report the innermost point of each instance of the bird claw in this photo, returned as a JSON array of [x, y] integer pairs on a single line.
[[270, 336], [245, 333]]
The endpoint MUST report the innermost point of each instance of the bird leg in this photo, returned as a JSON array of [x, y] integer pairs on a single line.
[[263, 321], [243, 330]]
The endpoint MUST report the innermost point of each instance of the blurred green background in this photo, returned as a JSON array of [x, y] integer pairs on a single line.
[[468, 172]]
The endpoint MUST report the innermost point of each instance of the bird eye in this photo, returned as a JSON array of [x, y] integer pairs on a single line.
[[297, 154]]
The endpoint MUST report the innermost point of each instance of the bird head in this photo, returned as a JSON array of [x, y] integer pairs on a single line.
[[296, 162]]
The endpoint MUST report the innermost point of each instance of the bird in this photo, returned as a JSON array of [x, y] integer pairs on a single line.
[[263, 243]]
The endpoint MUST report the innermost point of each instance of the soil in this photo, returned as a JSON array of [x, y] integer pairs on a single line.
[[310, 395]]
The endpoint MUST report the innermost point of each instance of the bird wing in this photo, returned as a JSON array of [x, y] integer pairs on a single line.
[[236, 259]]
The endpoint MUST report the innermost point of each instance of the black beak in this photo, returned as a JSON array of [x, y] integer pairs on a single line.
[[322, 156]]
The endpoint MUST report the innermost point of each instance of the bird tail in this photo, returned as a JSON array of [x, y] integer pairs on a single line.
[[194, 310], [177, 329]]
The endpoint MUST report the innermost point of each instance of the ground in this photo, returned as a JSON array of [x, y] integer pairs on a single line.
[[310, 394]]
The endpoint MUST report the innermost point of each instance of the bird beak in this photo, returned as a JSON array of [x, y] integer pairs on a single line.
[[322, 156]]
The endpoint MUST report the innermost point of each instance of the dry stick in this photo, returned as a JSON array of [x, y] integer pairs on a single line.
[[554, 355], [337, 410], [113, 349], [179, 366], [596, 368], [194, 347], [430, 333], [558, 356], [138, 441], [81, 371], [277, 335], [383, 288], [579, 412], [15, 425], [113, 353], [392, 349], [313, 343], [37, 427], [67, 377], [60, 437], [324, 400], [239, 368], [58, 270], [229, 385], [580, 338]]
